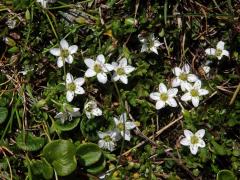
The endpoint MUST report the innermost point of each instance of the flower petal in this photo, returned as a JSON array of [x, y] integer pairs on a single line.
[[157, 43], [124, 79], [160, 105], [90, 73], [200, 133], [79, 81], [192, 78], [206, 69], [177, 71], [60, 62], [127, 135], [144, 48], [193, 149], [64, 44], [188, 134], [109, 67], [220, 45], [176, 82], [154, 49], [73, 49], [203, 92], [225, 53], [79, 90], [195, 101], [186, 97], [116, 121], [210, 51], [102, 77], [186, 86], [129, 69], [130, 125], [162, 88], [185, 142], [201, 143], [171, 102], [186, 68], [123, 62], [55, 51], [97, 112], [89, 63], [172, 92], [197, 84], [70, 96], [155, 96], [69, 59], [69, 78], [100, 59], [115, 77]]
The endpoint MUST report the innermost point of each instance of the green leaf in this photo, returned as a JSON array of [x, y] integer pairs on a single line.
[[219, 149], [97, 167], [88, 154], [226, 175], [3, 114], [68, 125], [42, 168], [29, 142], [61, 154]]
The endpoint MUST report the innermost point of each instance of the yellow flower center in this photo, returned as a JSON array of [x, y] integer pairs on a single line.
[[107, 138], [64, 53], [120, 71], [71, 87], [194, 139], [194, 93], [120, 126], [218, 52], [183, 77], [97, 68], [164, 96]]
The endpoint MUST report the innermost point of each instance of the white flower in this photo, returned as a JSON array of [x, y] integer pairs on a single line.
[[219, 52], [98, 67], [68, 114], [64, 53], [108, 139], [164, 96], [43, 3], [193, 140], [73, 86], [150, 43], [122, 70], [194, 93], [183, 77], [120, 123], [91, 109]]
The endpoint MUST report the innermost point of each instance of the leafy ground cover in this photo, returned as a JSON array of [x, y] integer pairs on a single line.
[[126, 89]]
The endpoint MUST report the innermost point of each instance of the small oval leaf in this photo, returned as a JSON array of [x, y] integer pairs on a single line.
[[97, 167], [226, 174], [29, 142], [68, 125], [88, 154]]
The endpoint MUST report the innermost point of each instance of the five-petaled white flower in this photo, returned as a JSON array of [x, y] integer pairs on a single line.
[[98, 67], [123, 126], [183, 77], [193, 140], [91, 109], [219, 52], [149, 43], [73, 86], [108, 140], [194, 93], [122, 70], [164, 96], [64, 53], [68, 114], [43, 3]]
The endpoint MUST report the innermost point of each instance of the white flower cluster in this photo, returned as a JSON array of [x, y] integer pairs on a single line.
[[122, 128], [183, 79], [100, 69]]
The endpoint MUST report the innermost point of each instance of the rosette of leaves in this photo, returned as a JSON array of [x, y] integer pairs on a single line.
[[91, 157]]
